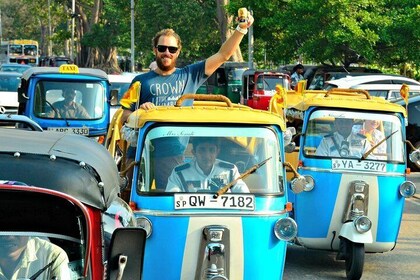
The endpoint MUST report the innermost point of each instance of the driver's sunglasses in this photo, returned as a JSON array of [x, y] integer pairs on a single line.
[[162, 48]]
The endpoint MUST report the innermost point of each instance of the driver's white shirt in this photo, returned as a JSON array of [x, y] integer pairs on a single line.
[[38, 254], [190, 178], [330, 148]]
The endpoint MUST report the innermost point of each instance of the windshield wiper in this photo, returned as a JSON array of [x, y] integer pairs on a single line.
[[33, 277], [251, 170], [365, 155]]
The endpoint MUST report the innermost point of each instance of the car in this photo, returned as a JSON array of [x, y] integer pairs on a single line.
[[14, 67], [120, 83], [385, 86], [413, 128], [9, 83]]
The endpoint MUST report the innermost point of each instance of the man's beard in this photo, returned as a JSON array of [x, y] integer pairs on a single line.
[[163, 67]]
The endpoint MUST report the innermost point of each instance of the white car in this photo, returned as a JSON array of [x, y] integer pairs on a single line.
[[385, 86], [120, 82], [9, 83]]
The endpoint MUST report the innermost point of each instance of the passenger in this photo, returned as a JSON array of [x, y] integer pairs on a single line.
[[68, 108], [22, 257], [374, 136], [343, 142], [297, 75], [205, 171], [165, 84]]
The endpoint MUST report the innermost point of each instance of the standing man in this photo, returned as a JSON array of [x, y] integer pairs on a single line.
[[165, 84], [297, 75]]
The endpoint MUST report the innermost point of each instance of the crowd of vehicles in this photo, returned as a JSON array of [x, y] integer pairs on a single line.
[[342, 203]]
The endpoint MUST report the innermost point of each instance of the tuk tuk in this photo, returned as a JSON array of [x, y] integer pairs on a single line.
[[63, 189], [258, 86], [232, 224], [351, 153], [226, 80], [42, 94]]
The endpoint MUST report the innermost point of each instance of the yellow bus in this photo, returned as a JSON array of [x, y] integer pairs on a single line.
[[20, 51]]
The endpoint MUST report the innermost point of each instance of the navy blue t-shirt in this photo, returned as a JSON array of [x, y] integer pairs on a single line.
[[166, 90]]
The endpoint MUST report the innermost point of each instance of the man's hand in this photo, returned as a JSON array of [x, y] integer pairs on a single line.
[[147, 106]]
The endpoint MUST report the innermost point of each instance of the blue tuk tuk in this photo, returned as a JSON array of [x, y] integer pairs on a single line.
[[232, 223], [42, 97], [351, 159]]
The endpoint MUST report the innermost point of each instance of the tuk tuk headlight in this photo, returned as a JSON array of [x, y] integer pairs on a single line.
[[407, 189], [285, 229], [362, 224], [146, 224], [414, 156]]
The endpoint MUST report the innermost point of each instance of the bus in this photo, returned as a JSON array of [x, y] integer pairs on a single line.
[[20, 51]]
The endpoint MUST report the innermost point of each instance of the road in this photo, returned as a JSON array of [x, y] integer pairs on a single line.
[[402, 263]]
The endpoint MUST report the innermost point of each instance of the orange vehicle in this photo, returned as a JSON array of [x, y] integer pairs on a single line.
[[258, 86]]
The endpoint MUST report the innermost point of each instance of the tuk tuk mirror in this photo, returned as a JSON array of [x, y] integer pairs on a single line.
[[414, 156], [126, 253], [114, 97]]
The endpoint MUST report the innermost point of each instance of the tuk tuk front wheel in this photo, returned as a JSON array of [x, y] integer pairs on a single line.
[[355, 259]]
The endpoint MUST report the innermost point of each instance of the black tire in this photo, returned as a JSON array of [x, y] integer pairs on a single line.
[[355, 259]]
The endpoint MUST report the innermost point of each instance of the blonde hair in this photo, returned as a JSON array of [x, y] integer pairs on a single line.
[[166, 32]]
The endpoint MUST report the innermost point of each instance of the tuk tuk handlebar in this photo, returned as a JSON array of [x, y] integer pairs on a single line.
[[347, 91], [203, 97]]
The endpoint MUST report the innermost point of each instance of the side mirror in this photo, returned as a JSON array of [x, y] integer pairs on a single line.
[[114, 97], [414, 156], [126, 254]]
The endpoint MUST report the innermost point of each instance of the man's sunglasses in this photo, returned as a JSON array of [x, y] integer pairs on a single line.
[[162, 48]]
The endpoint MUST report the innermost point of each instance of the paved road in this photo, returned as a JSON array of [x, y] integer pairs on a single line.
[[402, 263]]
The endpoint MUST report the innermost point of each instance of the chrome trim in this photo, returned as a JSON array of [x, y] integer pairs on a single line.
[[375, 173], [208, 213]]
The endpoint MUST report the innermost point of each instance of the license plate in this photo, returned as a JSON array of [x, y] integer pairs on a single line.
[[71, 130], [354, 164], [207, 201]]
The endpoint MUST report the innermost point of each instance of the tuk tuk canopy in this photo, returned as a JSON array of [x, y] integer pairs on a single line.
[[72, 164]]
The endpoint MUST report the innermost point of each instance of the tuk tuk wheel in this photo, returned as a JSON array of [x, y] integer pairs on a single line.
[[355, 259]]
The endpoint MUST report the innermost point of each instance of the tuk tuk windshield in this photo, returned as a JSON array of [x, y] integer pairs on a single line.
[[374, 136], [64, 100], [204, 159]]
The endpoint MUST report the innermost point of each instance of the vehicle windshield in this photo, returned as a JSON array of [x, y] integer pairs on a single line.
[[48, 228], [9, 83], [346, 134], [65, 100], [235, 74], [268, 83], [204, 159]]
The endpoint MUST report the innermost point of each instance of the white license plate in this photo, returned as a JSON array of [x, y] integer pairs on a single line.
[[71, 130], [354, 164], [206, 201]]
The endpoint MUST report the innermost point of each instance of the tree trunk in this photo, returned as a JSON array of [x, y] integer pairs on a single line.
[[224, 21]]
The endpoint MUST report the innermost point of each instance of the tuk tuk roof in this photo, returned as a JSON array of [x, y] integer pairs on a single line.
[[72, 164], [34, 71], [250, 72], [206, 112], [341, 98]]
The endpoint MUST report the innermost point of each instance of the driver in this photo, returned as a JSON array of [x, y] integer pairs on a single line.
[[24, 257], [343, 142], [68, 108], [205, 171]]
